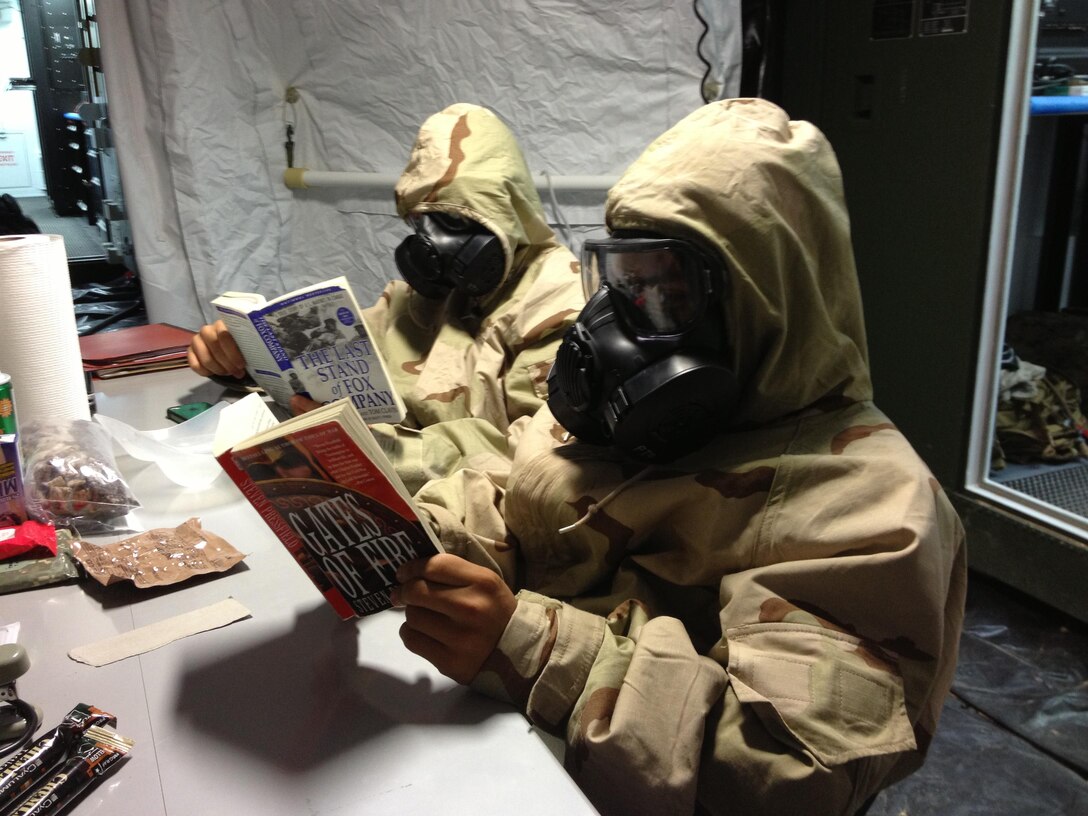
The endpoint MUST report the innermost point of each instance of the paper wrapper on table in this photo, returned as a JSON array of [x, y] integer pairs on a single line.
[[158, 557], [39, 343]]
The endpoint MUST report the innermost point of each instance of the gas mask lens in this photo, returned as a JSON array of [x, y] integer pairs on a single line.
[[661, 284]]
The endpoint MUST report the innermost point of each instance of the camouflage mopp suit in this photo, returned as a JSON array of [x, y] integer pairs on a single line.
[[472, 371], [770, 624]]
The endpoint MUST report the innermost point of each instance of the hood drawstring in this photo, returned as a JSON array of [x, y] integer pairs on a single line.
[[593, 508]]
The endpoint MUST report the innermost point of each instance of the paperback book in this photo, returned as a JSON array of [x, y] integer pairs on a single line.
[[312, 341], [325, 488]]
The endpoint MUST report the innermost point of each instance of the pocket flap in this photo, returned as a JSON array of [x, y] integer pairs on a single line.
[[823, 688]]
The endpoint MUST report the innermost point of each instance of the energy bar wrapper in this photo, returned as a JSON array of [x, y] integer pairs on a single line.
[[29, 766], [98, 750]]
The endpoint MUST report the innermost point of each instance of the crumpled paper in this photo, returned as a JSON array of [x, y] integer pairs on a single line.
[[158, 557]]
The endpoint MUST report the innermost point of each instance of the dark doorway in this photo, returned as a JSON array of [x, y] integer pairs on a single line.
[[75, 192]]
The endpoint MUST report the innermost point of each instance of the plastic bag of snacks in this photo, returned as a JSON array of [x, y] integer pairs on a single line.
[[70, 476]]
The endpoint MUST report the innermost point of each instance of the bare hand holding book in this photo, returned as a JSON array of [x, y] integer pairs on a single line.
[[312, 341], [322, 484]]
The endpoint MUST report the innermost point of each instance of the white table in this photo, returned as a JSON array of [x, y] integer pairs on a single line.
[[291, 711]]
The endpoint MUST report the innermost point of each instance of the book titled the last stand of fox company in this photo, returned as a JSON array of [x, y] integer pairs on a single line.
[[323, 485], [314, 342]]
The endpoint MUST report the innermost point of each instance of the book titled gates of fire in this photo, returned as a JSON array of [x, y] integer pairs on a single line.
[[323, 485]]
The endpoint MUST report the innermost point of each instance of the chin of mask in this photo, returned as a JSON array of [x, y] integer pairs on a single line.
[[447, 254], [643, 368]]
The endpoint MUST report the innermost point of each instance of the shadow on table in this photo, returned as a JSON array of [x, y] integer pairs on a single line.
[[300, 699]]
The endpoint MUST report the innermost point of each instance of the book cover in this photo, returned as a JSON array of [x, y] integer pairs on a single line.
[[324, 487], [313, 342], [135, 350]]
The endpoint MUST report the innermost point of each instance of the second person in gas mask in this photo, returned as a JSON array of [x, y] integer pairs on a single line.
[[470, 334], [487, 290]]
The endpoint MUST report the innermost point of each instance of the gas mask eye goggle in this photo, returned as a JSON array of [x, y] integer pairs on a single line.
[[447, 253], [643, 367], [659, 286]]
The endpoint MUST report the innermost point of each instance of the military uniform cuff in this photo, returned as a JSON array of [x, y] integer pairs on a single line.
[[578, 638]]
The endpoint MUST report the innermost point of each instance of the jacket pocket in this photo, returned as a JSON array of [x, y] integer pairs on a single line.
[[822, 689]]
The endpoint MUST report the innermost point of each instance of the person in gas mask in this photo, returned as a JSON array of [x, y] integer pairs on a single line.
[[471, 331], [645, 366], [740, 590]]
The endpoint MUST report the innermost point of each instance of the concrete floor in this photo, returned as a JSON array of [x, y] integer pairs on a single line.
[[1013, 738]]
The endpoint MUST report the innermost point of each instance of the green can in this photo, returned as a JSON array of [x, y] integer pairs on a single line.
[[7, 405]]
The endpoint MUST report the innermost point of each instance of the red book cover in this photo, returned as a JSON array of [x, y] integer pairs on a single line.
[[285, 534], [336, 512]]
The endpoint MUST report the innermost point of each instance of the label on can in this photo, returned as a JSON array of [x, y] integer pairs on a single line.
[[7, 405]]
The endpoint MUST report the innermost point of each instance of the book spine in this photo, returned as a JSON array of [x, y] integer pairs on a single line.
[[265, 360], [282, 530]]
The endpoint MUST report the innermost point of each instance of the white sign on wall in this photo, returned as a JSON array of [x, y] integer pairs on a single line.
[[14, 166]]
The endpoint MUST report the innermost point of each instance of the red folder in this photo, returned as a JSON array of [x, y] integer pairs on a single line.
[[135, 349]]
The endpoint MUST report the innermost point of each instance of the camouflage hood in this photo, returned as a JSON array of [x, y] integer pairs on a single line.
[[766, 192], [466, 162]]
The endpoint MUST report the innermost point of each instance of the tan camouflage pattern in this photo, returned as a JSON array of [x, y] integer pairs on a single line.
[[768, 625], [464, 358]]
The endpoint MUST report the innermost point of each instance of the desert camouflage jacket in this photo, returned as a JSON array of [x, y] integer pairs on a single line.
[[768, 625], [480, 363]]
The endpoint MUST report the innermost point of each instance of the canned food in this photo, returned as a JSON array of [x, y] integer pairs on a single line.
[[7, 405]]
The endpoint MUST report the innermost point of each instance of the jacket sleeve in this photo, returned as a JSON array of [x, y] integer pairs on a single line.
[[653, 727], [420, 455], [632, 695], [546, 302]]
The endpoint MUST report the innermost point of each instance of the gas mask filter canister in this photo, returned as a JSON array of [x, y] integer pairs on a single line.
[[447, 253]]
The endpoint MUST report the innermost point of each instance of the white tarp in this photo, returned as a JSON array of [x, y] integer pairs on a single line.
[[197, 100]]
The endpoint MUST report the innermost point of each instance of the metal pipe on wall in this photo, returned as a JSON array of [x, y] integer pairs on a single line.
[[301, 178]]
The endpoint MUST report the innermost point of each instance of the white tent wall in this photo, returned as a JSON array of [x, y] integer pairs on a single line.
[[198, 103]]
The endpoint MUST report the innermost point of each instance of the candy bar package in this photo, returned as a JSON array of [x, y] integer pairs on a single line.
[[30, 540], [96, 753], [12, 501], [70, 476], [23, 771]]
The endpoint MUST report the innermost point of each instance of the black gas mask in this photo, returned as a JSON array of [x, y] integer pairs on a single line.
[[449, 253], [643, 367]]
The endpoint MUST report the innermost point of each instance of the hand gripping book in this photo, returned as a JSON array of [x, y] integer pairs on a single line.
[[323, 485], [312, 341]]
